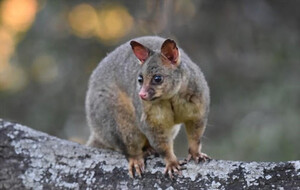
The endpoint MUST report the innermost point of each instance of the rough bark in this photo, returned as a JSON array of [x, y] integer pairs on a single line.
[[34, 160]]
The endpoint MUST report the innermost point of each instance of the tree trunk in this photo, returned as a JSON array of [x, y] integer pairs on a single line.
[[34, 160]]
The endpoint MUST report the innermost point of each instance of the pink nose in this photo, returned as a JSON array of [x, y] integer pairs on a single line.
[[143, 95]]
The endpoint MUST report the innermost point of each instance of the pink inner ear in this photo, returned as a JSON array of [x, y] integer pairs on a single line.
[[174, 55], [141, 53], [170, 50]]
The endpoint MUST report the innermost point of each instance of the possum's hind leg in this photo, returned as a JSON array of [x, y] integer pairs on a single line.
[[133, 139], [111, 115]]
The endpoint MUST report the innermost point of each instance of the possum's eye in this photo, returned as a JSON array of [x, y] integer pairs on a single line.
[[140, 79], [157, 79]]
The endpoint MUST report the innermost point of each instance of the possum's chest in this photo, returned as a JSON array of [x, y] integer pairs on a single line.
[[185, 110], [172, 112], [160, 114]]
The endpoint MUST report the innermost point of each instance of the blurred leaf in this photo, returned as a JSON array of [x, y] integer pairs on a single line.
[[83, 20], [18, 15], [44, 69]]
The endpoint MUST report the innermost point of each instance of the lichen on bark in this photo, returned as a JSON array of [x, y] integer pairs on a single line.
[[31, 159]]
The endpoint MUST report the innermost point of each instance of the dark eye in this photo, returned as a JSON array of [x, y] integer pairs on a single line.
[[140, 79], [157, 79]]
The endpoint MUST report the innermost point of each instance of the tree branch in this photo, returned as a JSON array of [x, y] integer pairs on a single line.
[[34, 160]]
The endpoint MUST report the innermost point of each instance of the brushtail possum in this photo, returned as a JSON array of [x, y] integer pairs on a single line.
[[140, 94]]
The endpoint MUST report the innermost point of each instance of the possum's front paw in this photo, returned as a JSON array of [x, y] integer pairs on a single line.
[[197, 157], [137, 165], [172, 167]]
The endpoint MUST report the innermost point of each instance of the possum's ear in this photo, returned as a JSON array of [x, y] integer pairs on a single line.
[[170, 51], [140, 51]]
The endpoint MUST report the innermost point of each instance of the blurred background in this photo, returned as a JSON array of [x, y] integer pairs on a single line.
[[249, 51]]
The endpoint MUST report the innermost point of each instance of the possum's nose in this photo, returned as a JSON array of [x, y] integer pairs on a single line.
[[143, 95], [146, 93]]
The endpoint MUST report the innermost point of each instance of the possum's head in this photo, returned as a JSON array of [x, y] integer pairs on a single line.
[[160, 75]]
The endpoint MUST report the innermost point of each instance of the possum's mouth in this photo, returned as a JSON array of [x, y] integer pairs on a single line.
[[150, 99]]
